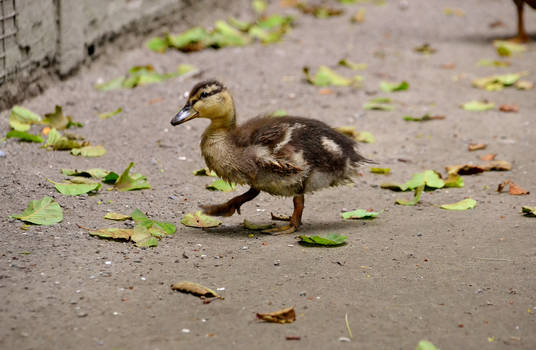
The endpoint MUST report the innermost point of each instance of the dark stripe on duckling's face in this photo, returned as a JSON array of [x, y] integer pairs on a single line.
[[204, 89]]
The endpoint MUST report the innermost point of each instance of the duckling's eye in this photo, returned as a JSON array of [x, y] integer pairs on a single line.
[[204, 94]]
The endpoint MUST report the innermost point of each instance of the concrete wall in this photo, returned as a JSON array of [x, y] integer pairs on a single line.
[[54, 37]]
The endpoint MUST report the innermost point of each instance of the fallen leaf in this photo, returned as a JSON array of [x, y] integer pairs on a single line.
[[454, 11], [493, 63], [465, 169], [497, 23], [21, 118], [448, 65], [424, 118], [508, 48], [478, 106], [325, 91], [71, 189], [221, 185], [44, 211], [256, 227], [89, 151], [110, 114], [391, 87], [476, 146], [195, 289], [327, 77], [126, 182], [454, 181], [416, 197], [57, 120], [93, 172], [329, 240], [524, 85], [319, 11], [205, 172], [158, 44], [81, 180], [509, 108], [461, 205], [165, 228], [380, 170], [361, 136], [352, 65], [287, 315], [143, 238], [428, 178], [379, 104], [425, 49], [497, 82], [259, 6], [117, 216], [58, 142], [529, 211], [426, 345], [24, 136], [513, 189], [360, 214], [359, 16], [113, 233], [488, 157], [198, 219], [279, 113]]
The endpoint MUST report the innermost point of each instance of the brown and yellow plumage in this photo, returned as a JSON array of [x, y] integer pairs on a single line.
[[284, 156]]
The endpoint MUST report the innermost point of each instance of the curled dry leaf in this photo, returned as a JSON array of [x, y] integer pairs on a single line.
[[195, 289], [469, 169], [509, 108], [476, 146], [513, 189], [287, 315]]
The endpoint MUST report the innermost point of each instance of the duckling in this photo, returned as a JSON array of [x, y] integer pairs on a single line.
[[283, 156], [522, 35]]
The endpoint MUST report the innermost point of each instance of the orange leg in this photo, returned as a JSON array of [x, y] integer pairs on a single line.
[[295, 219], [228, 208]]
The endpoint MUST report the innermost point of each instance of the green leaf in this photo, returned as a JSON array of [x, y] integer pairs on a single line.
[[428, 178], [380, 170], [416, 197], [454, 181], [365, 137], [379, 104], [114, 84], [425, 49], [110, 114], [185, 40], [21, 118], [111, 178], [330, 240], [113, 233], [424, 118], [199, 219], [225, 35], [327, 77], [426, 345], [279, 113], [158, 44], [163, 226], [478, 106], [58, 142], [57, 119], [277, 22], [93, 172], [116, 216], [81, 180], [143, 238], [529, 211], [497, 82], [205, 172], [507, 48], [461, 205], [394, 187], [256, 227], [89, 151], [184, 69], [71, 189], [44, 211], [24, 136], [265, 36], [240, 25], [221, 185], [391, 87], [359, 214], [493, 63], [352, 65], [259, 6], [126, 182]]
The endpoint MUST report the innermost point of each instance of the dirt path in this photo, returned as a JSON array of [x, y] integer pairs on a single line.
[[463, 280]]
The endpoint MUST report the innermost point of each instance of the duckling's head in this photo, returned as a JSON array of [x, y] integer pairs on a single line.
[[208, 99]]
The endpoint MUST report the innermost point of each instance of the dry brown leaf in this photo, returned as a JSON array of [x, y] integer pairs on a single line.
[[488, 157], [509, 108], [195, 289], [497, 23], [498, 165], [476, 146], [514, 189], [470, 169], [448, 65], [288, 3], [325, 91], [281, 316]]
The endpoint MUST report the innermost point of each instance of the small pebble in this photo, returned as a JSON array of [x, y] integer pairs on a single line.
[[143, 278], [172, 197], [419, 234], [302, 294], [277, 262], [108, 263], [185, 330], [221, 288], [244, 248], [2, 154], [344, 340]]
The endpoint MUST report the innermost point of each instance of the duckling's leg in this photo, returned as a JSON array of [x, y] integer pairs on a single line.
[[522, 35], [295, 219], [228, 208]]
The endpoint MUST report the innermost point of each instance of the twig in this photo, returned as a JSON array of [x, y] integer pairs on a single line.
[[493, 259], [82, 227], [348, 326]]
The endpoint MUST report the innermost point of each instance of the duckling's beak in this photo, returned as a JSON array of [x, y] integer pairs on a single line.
[[184, 115]]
